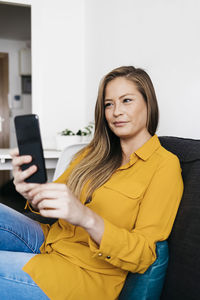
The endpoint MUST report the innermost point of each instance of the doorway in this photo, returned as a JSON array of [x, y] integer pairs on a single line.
[[4, 110]]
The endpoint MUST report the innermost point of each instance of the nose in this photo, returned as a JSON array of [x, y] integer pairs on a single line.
[[117, 111]]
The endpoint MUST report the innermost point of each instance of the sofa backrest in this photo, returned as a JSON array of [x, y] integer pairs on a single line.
[[183, 274], [65, 158]]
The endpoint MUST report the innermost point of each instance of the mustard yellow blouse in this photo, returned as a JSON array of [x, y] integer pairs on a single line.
[[138, 204]]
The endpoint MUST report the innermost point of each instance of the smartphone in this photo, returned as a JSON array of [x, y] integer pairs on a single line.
[[30, 143]]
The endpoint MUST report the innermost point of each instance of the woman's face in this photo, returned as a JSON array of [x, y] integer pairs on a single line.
[[125, 109]]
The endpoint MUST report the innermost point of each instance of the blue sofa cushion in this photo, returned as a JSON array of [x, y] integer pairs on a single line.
[[148, 286]]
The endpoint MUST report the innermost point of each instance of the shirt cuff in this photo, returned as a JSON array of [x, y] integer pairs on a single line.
[[106, 250]]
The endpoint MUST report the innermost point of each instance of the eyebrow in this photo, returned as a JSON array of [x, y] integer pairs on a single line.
[[122, 96]]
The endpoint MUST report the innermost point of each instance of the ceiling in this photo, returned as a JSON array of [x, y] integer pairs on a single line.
[[15, 22]]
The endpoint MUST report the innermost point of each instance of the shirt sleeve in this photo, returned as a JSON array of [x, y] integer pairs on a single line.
[[135, 250]]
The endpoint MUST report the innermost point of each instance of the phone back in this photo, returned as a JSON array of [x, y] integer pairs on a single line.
[[29, 143]]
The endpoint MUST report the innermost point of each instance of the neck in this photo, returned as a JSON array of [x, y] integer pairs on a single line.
[[131, 145]]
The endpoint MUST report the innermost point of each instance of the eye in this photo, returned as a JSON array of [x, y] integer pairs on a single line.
[[127, 100], [107, 104]]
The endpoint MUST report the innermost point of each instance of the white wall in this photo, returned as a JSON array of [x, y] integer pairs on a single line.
[[58, 66], [12, 47], [160, 36]]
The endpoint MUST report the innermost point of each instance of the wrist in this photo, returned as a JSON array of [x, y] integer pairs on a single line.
[[94, 225], [89, 219]]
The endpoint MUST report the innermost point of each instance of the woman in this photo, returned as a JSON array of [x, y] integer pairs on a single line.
[[118, 197]]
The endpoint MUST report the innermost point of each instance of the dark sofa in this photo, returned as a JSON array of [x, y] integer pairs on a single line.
[[183, 273]]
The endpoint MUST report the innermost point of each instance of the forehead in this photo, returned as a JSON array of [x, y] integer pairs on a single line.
[[120, 86]]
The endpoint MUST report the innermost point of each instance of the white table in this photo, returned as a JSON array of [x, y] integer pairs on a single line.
[[51, 158]]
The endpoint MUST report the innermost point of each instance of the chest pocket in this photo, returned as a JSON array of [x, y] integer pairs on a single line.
[[130, 190]]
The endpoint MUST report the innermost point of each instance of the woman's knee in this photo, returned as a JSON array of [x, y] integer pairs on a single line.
[[14, 282], [18, 232]]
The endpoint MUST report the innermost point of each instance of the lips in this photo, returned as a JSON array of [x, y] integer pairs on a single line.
[[120, 123]]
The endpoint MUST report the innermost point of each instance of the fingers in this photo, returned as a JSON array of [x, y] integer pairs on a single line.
[[25, 188], [14, 152], [48, 204], [18, 161], [50, 187], [55, 200], [21, 176], [49, 213], [44, 195]]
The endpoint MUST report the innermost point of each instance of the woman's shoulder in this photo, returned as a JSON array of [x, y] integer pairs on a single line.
[[167, 157]]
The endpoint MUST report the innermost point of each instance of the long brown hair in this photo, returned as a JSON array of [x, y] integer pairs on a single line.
[[103, 154]]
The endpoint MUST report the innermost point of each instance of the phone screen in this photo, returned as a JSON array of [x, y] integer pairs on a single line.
[[29, 143]]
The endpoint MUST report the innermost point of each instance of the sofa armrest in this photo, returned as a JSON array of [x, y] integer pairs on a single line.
[[148, 286]]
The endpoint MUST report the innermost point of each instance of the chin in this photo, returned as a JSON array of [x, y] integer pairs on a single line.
[[122, 135]]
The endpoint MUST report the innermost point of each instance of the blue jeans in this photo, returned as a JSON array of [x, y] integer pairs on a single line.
[[20, 240]]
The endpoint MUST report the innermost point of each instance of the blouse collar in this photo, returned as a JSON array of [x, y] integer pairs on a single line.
[[144, 152]]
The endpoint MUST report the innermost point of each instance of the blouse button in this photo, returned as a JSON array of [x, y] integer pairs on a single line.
[[88, 200], [100, 254], [108, 257]]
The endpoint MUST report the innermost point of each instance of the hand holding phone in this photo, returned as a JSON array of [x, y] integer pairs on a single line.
[[29, 143]]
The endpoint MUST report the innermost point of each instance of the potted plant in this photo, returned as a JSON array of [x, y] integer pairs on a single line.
[[67, 137], [86, 133]]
